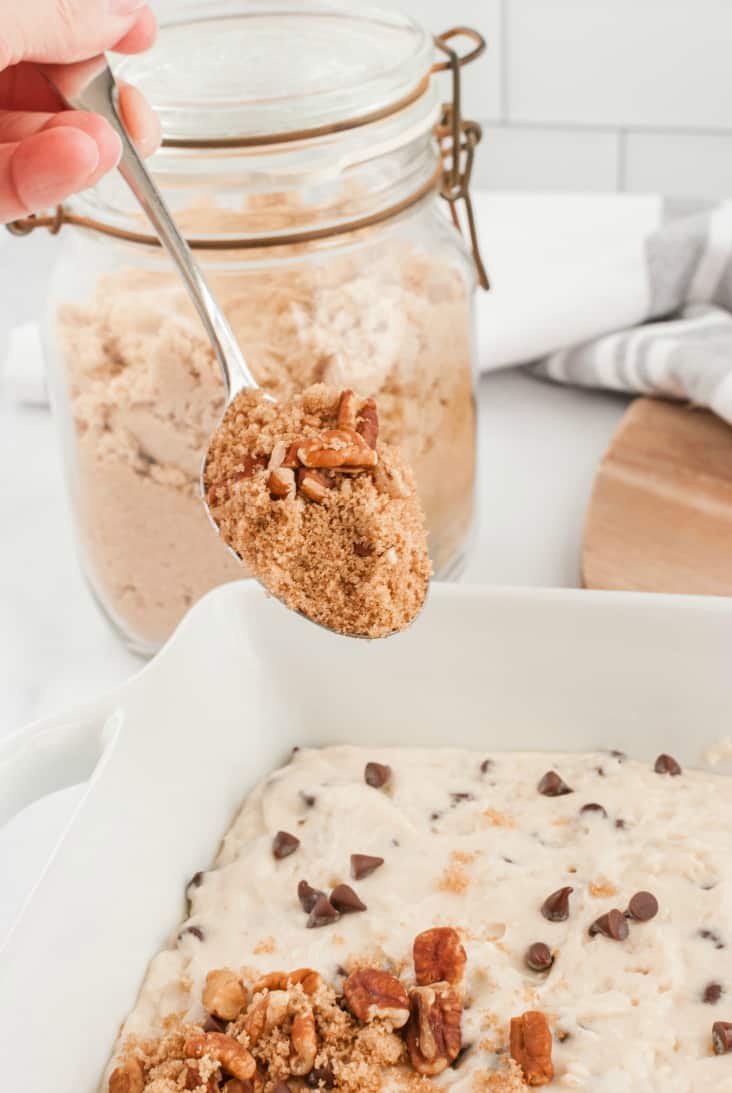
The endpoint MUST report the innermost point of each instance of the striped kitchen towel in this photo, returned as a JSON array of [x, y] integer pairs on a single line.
[[620, 292]]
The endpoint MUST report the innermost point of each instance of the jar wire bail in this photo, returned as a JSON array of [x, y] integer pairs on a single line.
[[457, 138]]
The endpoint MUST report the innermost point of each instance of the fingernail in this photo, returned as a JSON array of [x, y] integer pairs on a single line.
[[125, 7]]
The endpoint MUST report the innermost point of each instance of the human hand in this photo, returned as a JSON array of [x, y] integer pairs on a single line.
[[47, 152]]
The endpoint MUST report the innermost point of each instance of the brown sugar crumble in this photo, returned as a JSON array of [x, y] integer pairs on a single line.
[[321, 512]]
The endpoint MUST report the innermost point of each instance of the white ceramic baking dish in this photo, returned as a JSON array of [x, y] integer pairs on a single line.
[[170, 755]]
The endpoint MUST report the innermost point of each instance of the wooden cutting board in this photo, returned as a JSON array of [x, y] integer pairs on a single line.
[[660, 515]]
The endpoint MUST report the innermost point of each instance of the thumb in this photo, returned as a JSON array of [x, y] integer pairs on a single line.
[[63, 31]]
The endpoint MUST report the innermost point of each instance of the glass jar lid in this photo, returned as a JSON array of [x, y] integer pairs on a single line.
[[223, 73]]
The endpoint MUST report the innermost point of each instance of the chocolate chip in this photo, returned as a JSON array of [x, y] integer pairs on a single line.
[[643, 906], [307, 798], [320, 1077], [345, 900], [363, 865], [486, 765], [592, 807], [555, 907], [713, 936], [196, 931], [435, 815], [308, 896], [322, 914], [666, 764], [551, 785], [458, 798], [340, 970], [712, 993], [613, 925], [212, 1024], [376, 775], [539, 957], [563, 1035], [196, 881], [460, 1057], [620, 825], [722, 1037], [619, 755], [284, 844]]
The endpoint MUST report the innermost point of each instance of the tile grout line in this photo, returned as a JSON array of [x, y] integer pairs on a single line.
[[622, 157]]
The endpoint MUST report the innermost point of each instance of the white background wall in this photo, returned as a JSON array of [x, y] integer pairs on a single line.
[[632, 95]]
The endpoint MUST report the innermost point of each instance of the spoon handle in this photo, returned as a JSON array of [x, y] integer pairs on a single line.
[[101, 96]]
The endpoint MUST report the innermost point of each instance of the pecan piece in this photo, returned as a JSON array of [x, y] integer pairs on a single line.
[[266, 1013], [337, 448], [308, 979], [224, 995], [127, 1078], [531, 1047], [304, 1041], [347, 410], [368, 422], [314, 484], [281, 483], [434, 1038], [232, 1057], [372, 993], [438, 956]]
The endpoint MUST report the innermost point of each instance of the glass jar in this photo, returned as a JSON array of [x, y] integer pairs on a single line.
[[301, 161]]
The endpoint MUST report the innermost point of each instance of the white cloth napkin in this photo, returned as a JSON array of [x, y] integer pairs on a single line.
[[619, 291]]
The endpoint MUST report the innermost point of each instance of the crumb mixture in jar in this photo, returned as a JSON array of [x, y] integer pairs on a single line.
[[322, 513], [146, 396]]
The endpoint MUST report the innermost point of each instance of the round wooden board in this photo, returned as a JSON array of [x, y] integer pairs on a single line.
[[660, 515]]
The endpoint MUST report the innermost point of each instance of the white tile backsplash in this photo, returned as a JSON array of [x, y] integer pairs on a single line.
[[512, 158], [680, 165], [655, 63], [596, 94]]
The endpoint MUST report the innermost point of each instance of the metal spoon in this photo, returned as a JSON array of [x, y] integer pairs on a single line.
[[101, 96]]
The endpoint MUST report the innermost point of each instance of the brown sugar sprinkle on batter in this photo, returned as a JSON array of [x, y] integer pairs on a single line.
[[321, 512]]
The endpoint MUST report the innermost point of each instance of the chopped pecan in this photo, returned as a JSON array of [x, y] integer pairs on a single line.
[[434, 1038], [438, 956], [308, 979], [127, 1078], [347, 410], [281, 483], [314, 484], [232, 1057], [304, 1041], [266, 1013], [290, 457], [224, 995], [531, 1047], [337, 449], [390, 480], [372, 993], [368, 422]]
